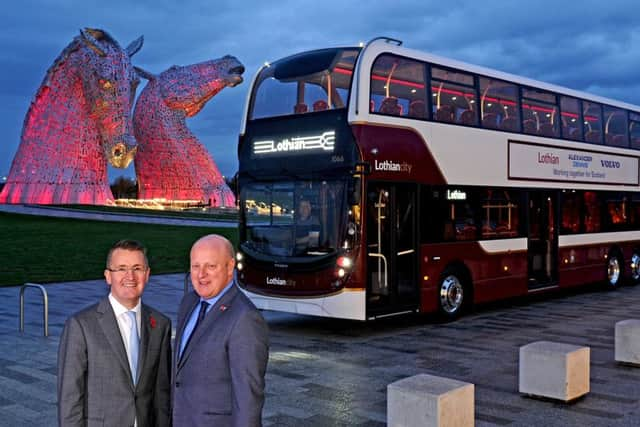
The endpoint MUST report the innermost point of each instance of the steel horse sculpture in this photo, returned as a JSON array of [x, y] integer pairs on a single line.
[[171, 163], [79, 119]]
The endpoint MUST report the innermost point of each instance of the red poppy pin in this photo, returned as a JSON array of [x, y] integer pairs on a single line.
[[152, 322], [223, 307]]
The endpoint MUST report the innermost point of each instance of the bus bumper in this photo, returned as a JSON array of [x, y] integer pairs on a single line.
[[347, 304]]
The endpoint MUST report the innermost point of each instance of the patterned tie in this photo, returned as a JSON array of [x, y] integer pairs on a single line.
[[134, 346], [201, 313]]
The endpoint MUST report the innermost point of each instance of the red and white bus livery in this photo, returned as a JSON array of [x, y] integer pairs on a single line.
[[380, 180]]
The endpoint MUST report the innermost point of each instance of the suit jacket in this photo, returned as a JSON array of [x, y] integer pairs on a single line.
[[219, 380], [94, 379]]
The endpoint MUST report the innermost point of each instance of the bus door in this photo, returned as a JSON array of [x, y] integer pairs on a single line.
[[391, 241], [542, 243]]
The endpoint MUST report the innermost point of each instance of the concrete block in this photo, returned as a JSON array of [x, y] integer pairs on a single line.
[[554, 370], [429, 401], [628, 342]]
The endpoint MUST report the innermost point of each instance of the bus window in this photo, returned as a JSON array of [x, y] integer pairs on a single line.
[[592, 115], [634, 130], [615, 126], [304, 83], [398, 87], [499, 105], [453, 97], [499, 214], [591, 212], [570, 205], [616, 211], [540, 113], [571, 115]]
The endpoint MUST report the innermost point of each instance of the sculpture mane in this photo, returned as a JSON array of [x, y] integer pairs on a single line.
[[79, 119], [171, 163]]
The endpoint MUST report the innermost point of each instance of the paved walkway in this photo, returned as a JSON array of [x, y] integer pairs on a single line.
[[56, 211], [334, 373]]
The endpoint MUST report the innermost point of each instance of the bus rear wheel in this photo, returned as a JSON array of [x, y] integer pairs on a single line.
[[453, 294], [635, 268], [614, 270]]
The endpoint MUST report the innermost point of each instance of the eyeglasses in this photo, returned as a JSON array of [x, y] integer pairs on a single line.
[[136, 269]]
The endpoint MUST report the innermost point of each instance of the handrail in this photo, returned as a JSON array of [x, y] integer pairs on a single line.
[[384, 261], [45, 300]]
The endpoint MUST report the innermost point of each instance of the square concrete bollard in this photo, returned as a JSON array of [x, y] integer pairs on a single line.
[[429, 401], [554, 370], [628, 342]]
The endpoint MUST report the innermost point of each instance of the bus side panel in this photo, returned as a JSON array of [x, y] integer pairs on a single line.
[[496, 272], [397, 154], [580, 264]]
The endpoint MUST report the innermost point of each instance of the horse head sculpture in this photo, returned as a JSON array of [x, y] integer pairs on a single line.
[[109, 82], [79, 119], [171, 162]]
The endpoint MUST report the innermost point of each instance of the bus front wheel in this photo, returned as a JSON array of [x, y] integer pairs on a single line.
[[614, 270], [453, 294]]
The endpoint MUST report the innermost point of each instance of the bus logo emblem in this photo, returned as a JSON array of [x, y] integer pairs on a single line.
[[324, 142]]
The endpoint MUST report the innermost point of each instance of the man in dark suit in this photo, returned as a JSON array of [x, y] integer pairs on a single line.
[[109, 374], [221, 346]]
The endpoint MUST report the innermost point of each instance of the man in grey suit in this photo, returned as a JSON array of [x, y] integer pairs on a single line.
[[221, 346], [108, 373]]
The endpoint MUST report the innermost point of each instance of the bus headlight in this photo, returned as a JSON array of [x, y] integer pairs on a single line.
[[344, 262], [239, 256]]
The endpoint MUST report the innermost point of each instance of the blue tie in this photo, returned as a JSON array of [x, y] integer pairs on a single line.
[[203, 310], [134, 346]]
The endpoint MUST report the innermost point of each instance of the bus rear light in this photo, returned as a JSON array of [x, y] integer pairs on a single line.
[[341, 273]]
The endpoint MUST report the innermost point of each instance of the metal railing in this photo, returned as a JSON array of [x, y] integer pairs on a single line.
[[45, 300]]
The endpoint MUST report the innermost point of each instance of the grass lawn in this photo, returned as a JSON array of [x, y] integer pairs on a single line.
[[46, 249]]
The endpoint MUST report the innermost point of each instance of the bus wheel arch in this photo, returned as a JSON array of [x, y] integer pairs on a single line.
[[455, 291], [614, 268], [635, 266]]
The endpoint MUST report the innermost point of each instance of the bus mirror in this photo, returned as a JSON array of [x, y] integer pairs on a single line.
[[354, 191]]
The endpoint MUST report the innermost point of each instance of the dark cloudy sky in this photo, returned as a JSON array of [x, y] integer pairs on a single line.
[[592, 46]]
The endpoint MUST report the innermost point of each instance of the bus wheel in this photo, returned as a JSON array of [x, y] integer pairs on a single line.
[[614, 270], [635, 268], [452, 294]]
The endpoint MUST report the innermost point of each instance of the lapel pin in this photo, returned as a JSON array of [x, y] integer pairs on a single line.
[[152, 322], [223, 307]]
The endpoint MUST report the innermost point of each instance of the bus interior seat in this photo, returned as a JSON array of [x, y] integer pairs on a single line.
[[617, 140], [417, 109], [320, 105], [529, 126], [390, 105], [468, 117], [593, 136], [445, 114], [300, 108], [509, 124], [547, 129], [490, 120]]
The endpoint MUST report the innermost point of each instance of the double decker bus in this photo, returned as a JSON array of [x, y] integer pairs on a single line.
[[379, 180]]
